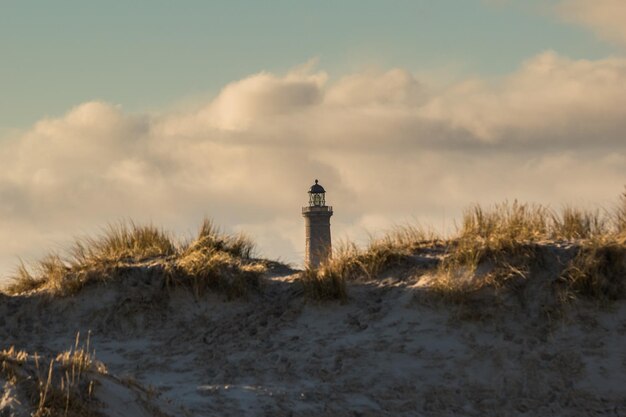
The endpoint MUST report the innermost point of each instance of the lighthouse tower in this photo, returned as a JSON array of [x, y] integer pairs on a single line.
[[317, 226]]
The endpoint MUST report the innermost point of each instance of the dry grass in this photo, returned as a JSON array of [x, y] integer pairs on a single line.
[[122, 242], [576, 224], [505, 224], [210, 239], [214, 261], [382, 253], [504, 236], [349, 262], [210, 261], [61, 386], [598, 271], [494, 248], [93, 259], [407, 238], [25, 280], [620, 215], [497, 250], [514, 230], [324, 283]]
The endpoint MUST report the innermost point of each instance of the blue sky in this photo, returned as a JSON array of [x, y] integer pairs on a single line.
[[146, 55]]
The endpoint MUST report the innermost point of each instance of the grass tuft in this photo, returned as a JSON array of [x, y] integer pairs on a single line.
[[217, 262], [61, 386], [505, 224], [212, 261], [349, 262], [620, 215], [210, 239], [382, 253], [598, 271], [575, 224], [327, 282], [123, 242], [504, 236], [498, 249]]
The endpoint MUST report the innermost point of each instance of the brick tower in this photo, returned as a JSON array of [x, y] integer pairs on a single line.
[[317, 227]]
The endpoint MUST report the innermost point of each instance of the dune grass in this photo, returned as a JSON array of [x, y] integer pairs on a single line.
[[620, 215], [349, 262], [502, 239], [122, 241], [499, 248], [598, 271], [577, 224], [505, 239], [513, 230], [212, 261], [210, 238], [496, 247], [324, 283], [59, 386], [393, 248]]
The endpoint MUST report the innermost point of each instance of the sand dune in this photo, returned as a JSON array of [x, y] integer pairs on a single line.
[[391, 349]]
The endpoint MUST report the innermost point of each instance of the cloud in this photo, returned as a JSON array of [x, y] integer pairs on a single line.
[[255, 98], [604, 17], [387, 147], [396, 87], [551, 99]]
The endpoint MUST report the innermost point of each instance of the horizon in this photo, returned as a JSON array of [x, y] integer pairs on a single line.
[[165, 114]]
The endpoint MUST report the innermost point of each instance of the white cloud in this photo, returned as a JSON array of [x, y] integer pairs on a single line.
[[253, 99], [386, 149], [551, 98], [605, 17], [395, 87]]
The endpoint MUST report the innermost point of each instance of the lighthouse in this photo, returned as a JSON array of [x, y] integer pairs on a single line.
[[317, 227]]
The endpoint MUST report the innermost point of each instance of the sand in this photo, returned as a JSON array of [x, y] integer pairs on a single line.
[[388, 351]]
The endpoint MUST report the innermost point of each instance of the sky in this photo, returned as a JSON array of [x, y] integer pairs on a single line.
[[406, 111]]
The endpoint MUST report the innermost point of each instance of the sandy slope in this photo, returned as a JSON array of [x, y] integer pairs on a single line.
[[385, 352]]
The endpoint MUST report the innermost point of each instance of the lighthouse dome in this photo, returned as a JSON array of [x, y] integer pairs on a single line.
[[316, 189]]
